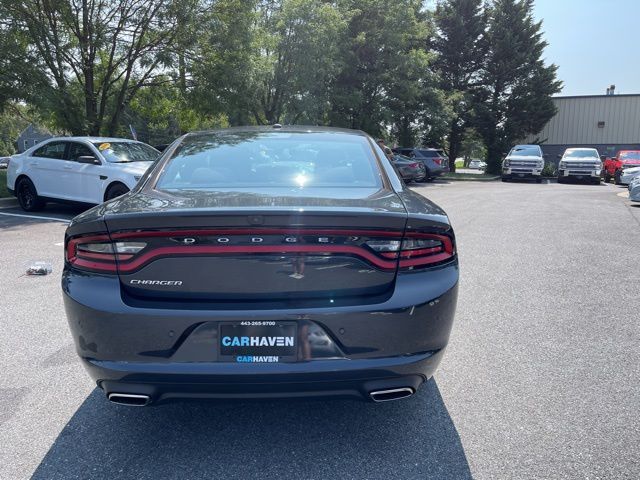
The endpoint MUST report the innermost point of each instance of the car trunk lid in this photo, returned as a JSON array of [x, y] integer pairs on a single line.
[[238, 246]]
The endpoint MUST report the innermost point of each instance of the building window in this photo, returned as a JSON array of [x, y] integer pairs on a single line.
[[600, 124], [26, 144], [35, 142]]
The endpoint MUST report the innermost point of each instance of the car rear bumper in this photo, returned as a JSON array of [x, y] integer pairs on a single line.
[[169, 353], [438, 171], [319, 378]]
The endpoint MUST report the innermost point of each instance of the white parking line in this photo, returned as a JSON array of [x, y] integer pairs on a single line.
[[37, 217]]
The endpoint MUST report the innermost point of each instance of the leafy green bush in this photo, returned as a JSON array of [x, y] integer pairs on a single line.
[[549, 170]]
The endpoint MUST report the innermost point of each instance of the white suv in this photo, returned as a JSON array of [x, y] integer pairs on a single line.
[[87, 170], [523, 161]]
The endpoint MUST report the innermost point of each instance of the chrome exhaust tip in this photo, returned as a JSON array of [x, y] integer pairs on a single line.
[[129, 399], [392, 394]]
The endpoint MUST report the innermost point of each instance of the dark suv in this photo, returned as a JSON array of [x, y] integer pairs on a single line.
[[435, 161]]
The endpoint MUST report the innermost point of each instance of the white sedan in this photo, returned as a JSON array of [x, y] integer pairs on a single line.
[[88, 170], [477, 165]]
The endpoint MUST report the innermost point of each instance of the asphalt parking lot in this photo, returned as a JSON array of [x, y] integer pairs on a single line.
[[540, 379]]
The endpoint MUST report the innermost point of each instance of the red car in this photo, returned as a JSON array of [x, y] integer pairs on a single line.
[[614, 166]]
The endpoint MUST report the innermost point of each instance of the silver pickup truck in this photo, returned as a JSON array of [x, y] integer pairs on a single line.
[[523, 161], [580, 164]]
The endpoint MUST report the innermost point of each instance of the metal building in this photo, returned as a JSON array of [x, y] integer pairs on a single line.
[[606, 122]]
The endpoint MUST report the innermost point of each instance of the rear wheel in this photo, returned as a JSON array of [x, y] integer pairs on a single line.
[[115, 190], [28, 196], [425, 178], [616, 177], [607, 177]]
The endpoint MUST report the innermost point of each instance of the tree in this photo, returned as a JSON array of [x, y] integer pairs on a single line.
[[460, 49], [95, 54], [382, 67], [515, 97]]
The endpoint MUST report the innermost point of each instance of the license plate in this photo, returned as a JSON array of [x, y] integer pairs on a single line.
[[258, 342]]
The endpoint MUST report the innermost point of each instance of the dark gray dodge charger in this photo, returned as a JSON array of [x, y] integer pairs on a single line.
[[262, 262]]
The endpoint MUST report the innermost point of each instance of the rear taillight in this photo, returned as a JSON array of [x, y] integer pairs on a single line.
[[414, 165], [416, 249], [437, 161], [128, 252], [98, 253]]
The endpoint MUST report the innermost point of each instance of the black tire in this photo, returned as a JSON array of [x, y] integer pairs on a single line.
[[561, 180], [607, 178], [596, 181], [616, 177], [115, 190], [28, 196], [538, 180], [505, 179]]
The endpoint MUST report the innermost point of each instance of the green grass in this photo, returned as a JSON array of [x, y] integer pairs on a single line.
[[459, 163], [3, 184]]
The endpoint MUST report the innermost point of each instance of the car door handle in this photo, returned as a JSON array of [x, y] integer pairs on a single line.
[[33, 164], [68, 167]]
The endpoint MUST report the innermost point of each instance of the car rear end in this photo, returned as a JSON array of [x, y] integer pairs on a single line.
[[266, 290], [410, 169], [435, 161]]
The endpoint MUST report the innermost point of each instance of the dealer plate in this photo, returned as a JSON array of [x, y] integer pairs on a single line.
[[258, 342]]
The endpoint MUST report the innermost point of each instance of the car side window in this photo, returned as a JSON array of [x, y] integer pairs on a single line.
[[79, 150], [53, 150]]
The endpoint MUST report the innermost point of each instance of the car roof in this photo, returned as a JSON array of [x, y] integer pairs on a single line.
[[527, 145], [93, 139], [580, 148]]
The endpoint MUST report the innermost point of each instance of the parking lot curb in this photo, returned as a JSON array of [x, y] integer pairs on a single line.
[[8, 202], [491, 179]]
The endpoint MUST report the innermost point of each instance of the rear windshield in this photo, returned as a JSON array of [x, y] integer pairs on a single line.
[[271, 159], [431, 153], [630, 156], [525, 151], [125, 152], [581, 154]]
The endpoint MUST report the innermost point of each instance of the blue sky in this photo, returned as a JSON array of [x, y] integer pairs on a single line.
[[595, 43]]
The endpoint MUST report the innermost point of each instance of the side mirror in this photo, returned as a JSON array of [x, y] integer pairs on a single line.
[[90, 159], [559, 156], [604, 157]]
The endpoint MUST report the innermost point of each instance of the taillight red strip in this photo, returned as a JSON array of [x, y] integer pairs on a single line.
[[419, 252], [213, 249], [107, 257], [102, 266], [129, 262]]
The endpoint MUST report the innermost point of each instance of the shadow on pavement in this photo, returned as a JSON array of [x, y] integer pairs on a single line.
[[413, 438]]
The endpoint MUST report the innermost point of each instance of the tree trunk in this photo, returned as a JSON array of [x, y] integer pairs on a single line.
[[494, 158], [455, 138]]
